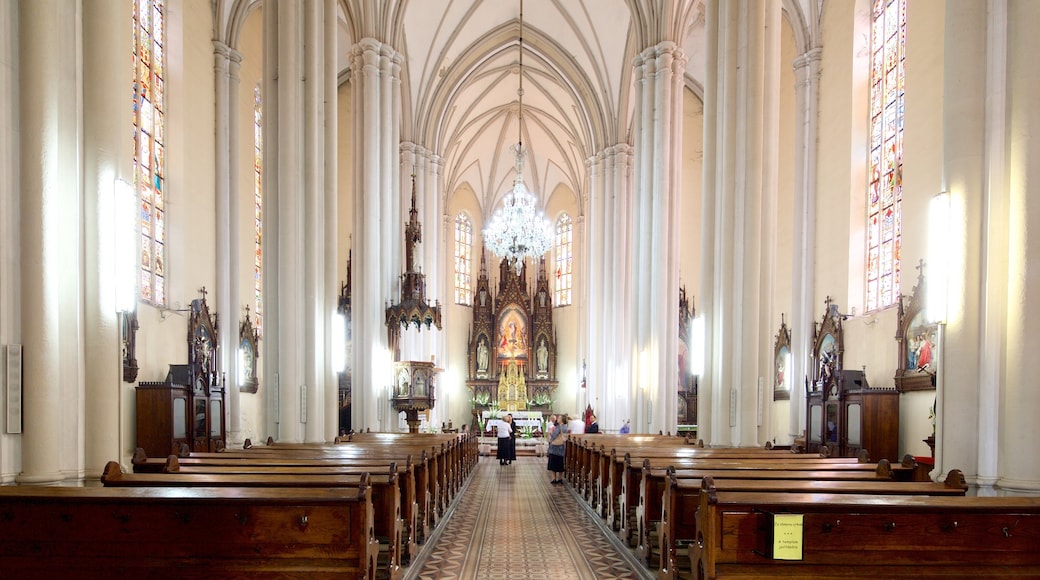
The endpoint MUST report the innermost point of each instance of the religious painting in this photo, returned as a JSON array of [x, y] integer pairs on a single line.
[[921, 352], [918, 339], [512, 333], [828, 355], [828, 349], [782, 375]]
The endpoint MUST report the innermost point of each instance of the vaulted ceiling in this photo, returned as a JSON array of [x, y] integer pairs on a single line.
[[459, 78]]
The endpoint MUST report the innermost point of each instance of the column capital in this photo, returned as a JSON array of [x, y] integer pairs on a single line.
[[622, 150], [662, 57], [225, 51], [807, 65]]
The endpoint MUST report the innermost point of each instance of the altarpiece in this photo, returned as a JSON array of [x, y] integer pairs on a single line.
[[512, 343]]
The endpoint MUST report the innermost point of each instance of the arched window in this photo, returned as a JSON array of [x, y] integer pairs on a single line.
[[149, 163], [564, 260], [885, 193], [258, 213], [463, 259]]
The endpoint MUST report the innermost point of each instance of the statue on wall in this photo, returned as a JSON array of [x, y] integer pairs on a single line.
[[543, 357], [482, 355]]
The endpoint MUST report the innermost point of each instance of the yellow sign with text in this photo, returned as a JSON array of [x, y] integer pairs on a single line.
[[787, 536]]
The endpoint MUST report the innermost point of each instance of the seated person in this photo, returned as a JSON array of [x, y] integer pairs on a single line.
[[593, 426]]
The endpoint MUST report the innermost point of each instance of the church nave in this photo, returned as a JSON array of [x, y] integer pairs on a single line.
[[510, 523]]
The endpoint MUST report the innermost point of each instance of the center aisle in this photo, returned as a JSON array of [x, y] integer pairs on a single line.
[[510, 523]]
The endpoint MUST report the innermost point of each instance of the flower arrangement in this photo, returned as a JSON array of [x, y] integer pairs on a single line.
[[540, 400]]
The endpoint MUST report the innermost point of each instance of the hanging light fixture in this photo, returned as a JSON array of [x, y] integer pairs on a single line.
[[518, 230]]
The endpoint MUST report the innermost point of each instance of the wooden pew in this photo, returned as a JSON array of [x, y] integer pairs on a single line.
[[405, 480], [97, 532], [386, 498], [409, 476], [430, 472], [634, 510], [583, 454], [868, 536], [682, 498], [619, 474], [447, 460], [652, 477]]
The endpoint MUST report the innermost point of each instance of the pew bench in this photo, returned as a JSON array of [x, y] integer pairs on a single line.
[[406, 485], [385, 495], [868, 536], [652, 483], [682, 498], [412, 478], [634, 509], [98, 532]]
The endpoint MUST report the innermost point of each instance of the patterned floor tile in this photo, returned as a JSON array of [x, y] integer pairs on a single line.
[[510, 523]]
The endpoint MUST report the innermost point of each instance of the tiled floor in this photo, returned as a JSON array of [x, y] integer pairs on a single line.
[[510, 523]]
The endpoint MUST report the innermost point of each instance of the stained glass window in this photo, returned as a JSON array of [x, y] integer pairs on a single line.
[[564, 260], [258, 203], [463, 259], [885, 192], [149, 163]]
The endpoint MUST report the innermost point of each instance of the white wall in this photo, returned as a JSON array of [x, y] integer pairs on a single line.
[[250, 45], [191, 225]]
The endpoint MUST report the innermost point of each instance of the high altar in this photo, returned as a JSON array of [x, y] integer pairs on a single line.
[[512, 344], [512, 389]]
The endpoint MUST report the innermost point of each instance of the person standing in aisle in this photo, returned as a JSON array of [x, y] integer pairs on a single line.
[[556, 449]]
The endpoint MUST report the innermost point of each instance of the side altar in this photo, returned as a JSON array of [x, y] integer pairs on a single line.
[[512, 343]]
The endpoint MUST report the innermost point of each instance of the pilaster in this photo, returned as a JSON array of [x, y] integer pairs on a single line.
[[807, 99]]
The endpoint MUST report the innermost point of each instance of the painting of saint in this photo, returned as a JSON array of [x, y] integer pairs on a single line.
[[512, 334]]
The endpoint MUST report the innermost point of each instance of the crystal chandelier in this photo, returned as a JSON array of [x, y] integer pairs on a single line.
[[518, 230]]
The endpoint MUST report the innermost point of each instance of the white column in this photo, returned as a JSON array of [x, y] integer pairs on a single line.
[[106, 158], [708, 405], [291, 233], [331, 290], [654, 240], [10, 320], [301, 235], [49, 129], [743, 183], [226, 62], [963, 338], [807, 99], [316, 315], [375, 71], [1019, 463], [994, 261], [270, 345], [606, 285]]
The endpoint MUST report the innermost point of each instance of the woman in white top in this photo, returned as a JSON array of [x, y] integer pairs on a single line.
[[506, 443]]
